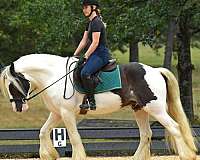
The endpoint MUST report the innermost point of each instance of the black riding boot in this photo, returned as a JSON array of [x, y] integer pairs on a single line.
[[88, 102], [85, 104], [89, 84]]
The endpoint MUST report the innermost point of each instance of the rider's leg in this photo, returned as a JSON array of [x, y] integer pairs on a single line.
[[93, 64]]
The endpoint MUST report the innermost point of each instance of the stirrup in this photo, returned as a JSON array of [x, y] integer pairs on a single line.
[[84, 106], [92, 106], [92, 103]]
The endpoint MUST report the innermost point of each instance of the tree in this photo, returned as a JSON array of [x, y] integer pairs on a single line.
[[41, 26], [13, 42], [55, 22], [134, 54], [188, 25], [170, 43], [130, 22]]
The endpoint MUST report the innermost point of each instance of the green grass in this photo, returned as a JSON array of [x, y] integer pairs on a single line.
[[37, 113]]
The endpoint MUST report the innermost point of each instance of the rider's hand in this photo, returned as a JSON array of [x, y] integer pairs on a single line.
[[86, 57], [81, 61], [76, 56]]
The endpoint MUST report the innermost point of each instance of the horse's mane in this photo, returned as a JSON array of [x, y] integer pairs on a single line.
[[2, 81], [5, 74]]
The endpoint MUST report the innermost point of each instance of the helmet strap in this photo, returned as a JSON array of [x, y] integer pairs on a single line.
[[92, 10]]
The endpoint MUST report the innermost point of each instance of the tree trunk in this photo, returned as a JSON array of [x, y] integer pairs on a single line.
[[133, 52], [185, 66], [169, 46]]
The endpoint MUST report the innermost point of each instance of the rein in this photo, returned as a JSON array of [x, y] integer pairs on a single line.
[[27, 99], [64, 96]]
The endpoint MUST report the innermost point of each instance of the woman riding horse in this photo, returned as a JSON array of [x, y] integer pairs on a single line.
[[154, 89], [97, 54]]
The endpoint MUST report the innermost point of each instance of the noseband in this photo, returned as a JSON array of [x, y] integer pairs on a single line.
[[23, 100]]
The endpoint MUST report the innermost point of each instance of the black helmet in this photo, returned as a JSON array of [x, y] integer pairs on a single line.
[[90, 2]]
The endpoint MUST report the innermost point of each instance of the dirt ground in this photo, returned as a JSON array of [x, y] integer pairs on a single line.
[[118, 158]]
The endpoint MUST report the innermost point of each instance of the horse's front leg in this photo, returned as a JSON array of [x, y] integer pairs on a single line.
[[143, 150], [47, 151], [69, 118]]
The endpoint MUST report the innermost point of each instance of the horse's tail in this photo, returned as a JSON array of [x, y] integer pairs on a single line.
[[176, 111]]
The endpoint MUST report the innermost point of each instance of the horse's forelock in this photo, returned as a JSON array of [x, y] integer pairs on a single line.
[[7, 75], [3, 81]]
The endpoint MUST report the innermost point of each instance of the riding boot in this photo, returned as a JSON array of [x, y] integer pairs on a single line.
[[85, 104]]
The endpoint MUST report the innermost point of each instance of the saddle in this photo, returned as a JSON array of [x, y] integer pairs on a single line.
[[110, 66]]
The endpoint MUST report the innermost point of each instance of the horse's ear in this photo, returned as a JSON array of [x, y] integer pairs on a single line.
[[12, 70]]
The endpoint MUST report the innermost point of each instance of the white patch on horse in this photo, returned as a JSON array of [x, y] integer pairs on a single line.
[[152, 75], [106, 103]]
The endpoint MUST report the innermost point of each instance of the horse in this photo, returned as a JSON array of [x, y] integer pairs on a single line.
[[154, 89]]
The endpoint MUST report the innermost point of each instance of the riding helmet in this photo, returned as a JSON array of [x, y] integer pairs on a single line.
[[90, 2]]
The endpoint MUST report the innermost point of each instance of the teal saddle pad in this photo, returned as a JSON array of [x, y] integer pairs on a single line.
[[110, 81]]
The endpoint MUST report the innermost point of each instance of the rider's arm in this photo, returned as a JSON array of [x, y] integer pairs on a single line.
[[82, 44], [94, 45]]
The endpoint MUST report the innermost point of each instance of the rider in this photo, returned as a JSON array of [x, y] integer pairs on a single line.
[[97, 55]]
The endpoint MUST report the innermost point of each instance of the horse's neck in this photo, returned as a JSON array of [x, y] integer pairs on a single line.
[[41, 68]]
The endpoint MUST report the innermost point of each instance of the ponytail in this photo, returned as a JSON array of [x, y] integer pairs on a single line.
[[98, 12]]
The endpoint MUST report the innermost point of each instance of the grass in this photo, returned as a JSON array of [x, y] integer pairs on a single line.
[[37, 114]]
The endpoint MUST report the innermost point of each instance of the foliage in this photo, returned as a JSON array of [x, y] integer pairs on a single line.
[[56, 26], [28, 26], [54, 22]]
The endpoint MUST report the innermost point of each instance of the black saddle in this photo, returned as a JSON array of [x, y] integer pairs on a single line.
[[110, 66]]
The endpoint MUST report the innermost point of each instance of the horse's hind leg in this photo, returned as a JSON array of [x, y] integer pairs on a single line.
[[143, 150], [78, 152], [158, 111], [47, 151]]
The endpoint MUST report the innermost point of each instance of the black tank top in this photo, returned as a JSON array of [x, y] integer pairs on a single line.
[[96, 25]]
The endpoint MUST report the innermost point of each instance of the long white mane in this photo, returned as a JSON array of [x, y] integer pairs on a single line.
[[4, 75]]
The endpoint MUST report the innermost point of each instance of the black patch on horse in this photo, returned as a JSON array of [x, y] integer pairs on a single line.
[[135, 76], [132, 76]]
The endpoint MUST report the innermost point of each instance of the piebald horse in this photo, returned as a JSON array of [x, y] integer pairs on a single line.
[[154, 90]]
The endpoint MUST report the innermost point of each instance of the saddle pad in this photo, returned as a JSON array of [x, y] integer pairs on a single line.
[[110, 81]]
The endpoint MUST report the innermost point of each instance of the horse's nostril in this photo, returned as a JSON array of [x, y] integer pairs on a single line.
[[19, 109]]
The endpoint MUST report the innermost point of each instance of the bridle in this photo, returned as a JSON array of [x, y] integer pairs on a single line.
[[23, 100]]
